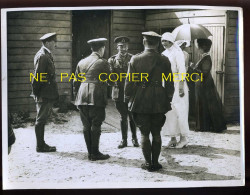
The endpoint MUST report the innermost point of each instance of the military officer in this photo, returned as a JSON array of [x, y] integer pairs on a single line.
[[91, 98], [44, 88], [119, 64], [149, 100]]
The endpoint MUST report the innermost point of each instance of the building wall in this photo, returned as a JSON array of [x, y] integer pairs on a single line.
[[231, 103], [24, 31], [162, 20], [165, 18], [130, 23]]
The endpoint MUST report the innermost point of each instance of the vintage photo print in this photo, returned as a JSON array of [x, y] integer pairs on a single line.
[[122, 97]]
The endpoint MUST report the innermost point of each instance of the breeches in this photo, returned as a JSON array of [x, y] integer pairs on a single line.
[[149, 123], [122, 108], [92, 117], [43, 111]]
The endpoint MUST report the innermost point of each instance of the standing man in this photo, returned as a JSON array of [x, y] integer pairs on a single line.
[[91, 98], [119, 64], [44, 88], [149, 100]]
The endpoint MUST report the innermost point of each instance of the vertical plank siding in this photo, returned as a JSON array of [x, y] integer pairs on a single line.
[[217, 21], [25, 29], [130, 23], [167, 19], [231, 103], [23, 32], [217, 54]]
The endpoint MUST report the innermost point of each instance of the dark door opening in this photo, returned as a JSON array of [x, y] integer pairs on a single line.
[[86, 25]]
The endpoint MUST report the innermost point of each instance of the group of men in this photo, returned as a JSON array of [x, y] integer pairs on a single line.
[[144, 103]]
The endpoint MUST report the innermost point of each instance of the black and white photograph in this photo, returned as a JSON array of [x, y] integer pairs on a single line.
[[122, 97]]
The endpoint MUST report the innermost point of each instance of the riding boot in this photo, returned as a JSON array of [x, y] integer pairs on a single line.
[[146, 150], [39, 135], [95, 139], [156, 150], [87, 138], [124, 130], [133, 131], [42, 146]]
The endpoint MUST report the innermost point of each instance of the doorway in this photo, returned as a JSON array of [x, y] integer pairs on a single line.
[[86, 25]]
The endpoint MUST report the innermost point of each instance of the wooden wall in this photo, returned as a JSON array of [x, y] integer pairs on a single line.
[[160, 20], [24, 30], [231, 103], [165, 18], [130, 23]]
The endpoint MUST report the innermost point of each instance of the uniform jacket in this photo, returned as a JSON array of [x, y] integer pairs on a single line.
[[151, 97], [44, 63], [119, 64], [92, 91]]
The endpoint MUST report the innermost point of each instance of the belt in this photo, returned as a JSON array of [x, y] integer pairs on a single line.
[[93, 80], [149, 84]]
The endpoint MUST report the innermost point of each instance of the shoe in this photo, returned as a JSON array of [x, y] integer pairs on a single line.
[[99, 156], [171, 144], [135, 142], [46, 148], [123, 144], [156, 167], [147, 166], [181, 144]]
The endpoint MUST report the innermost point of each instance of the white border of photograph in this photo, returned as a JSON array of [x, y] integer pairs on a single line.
[[85, 185]]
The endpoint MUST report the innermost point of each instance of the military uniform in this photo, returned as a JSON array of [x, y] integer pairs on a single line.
[[91, 100], [149, 100], [119, 64], [44, 93]]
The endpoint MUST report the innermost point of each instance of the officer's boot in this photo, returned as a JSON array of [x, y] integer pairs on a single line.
[[146, 150], [133, 131], [95, 139], [87, 138], [124, 130], [156, 150], [42, 146], [39, 137]]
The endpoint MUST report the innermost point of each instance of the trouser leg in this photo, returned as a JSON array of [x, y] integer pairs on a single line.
[[39, 135], [123, 110], [158, 121], [95, 141], [156, 148], [132, 126], [97, 115], [124, 129], [43, 109], [86, 127], [146, 146], [133, 130]]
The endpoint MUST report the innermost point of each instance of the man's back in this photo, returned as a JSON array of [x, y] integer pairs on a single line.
[[149, 97], [92, 91]]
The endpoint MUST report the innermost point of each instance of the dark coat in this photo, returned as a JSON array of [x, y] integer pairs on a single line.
[[209, 114], [43, 63], [152, 98], [119, 64], [92, 91]]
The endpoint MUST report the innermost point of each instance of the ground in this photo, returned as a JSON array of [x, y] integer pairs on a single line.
[[209, 156]]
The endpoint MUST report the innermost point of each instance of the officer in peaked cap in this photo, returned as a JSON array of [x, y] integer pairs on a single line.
[[44, 93], [149, 100], [119, 64], [91, 98]]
